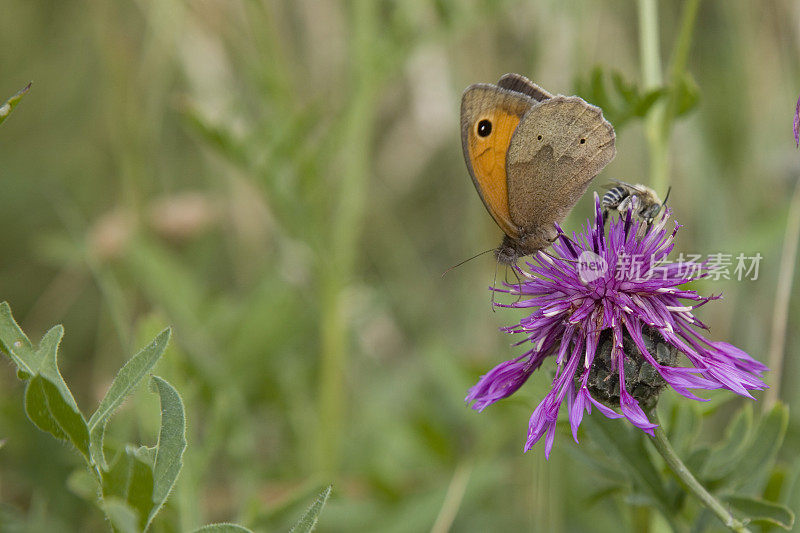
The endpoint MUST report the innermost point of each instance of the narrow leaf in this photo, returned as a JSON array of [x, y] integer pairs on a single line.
[[37, 410], [223, 528], [48, 363], [116, 479], [70, 421], [697, 459], [776, 485], [723, 458], [171, 444], [686, 94], [758, 510], [125, 382], [598, 86], [81, 483], [643, 106], [309, 519], [61, 404], [12, 102], [140, 487], [629, 450], [217, 136], [121, 516], [48, 401], [684, 424], [16, 344], [628, 91], [767, 440]]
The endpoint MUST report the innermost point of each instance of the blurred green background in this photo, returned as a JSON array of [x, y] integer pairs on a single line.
[[282, 182]]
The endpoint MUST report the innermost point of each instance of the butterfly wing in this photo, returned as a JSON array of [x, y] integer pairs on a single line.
[[485, 150], [521, 84], [560, 145]]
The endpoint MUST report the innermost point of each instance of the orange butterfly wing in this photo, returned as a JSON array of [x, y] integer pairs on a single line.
[[489, 117]]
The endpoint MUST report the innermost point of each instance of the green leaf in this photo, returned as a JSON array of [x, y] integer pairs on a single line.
[[697, 459], [627, 447], [16, 344], [82, 483], [685, 94], [49, 402], [599, 87], [223, 528], [171, 444], [130, 479], [121, 516], [644, 104], [140, 486], [219, 137], [628, 91], [125, 382], [50, 413], [723, 458], [38, 411], [12, 102], [116, 480], [309, 519], [762, 511], [683, 427], [765, 444], [776, 483]]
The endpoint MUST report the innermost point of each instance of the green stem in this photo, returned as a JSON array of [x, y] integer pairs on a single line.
[[679, 59], [650, 58], [658, 124], [680, 54], [336, 274], [688, 480], [649, 43]]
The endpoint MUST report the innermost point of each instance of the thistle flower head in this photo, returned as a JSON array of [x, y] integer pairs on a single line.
[[609, 308], [796, 125]]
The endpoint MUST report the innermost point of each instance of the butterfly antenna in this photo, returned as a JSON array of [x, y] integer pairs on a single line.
[[470, 259]]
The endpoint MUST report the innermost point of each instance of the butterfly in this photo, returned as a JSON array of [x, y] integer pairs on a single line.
[[531, 155]]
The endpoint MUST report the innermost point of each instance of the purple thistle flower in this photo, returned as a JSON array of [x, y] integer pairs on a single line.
[[796, 126], [613, 289]]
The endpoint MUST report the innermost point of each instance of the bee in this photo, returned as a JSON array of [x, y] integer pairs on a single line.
[[620, 197]]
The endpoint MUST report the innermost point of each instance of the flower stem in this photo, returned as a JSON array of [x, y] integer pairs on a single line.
[[338, 271], [650, 58], [688, 480], [659, 121]]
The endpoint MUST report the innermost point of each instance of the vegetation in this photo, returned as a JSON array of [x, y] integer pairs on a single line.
[[281, 183]]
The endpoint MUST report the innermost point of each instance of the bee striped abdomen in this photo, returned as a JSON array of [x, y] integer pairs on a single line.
[[614, 197]]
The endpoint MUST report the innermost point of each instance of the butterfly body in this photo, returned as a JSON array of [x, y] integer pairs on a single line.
[[531, 156]]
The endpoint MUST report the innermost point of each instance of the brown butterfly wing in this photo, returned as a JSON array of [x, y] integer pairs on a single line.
[[559, 146], [486, 155], [521, 84]]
